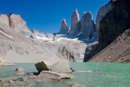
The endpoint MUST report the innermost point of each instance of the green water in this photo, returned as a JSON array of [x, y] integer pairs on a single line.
[[95, 75]]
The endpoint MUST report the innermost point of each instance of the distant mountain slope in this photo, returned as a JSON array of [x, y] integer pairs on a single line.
[[115, 23], [118, 51], [19, 44]]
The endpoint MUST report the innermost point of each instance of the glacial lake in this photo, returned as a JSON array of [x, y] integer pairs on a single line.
[[91, 75]]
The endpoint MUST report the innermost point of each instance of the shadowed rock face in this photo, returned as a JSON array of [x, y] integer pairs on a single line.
[[64, 28], [75, 24], [87, 26], [116, 22], [101, 14]]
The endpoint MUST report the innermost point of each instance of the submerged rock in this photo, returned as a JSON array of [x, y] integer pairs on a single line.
[[76, 85]]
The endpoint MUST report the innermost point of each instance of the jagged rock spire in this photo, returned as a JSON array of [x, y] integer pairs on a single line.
[[64, 28], [87, 25], [75, 25]]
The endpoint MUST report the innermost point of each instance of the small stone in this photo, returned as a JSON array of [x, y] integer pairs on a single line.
[[19, 69], [11, 81], [31, 74]]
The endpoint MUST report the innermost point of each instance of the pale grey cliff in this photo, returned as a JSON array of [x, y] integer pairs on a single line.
[[87, 26], [64, 28]]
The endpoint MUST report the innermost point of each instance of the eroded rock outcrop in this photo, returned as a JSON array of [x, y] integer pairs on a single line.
[[87, 26], [4, 19], [64, 28], [75, 24], [18, 24]]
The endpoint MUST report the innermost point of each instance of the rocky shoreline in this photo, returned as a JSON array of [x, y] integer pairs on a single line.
[[55, 72]]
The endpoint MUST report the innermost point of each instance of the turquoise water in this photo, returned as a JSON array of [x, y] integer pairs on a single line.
[[91, 75]]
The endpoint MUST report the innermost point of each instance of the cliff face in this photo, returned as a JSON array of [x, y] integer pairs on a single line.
[[115, 23], [101, 14]]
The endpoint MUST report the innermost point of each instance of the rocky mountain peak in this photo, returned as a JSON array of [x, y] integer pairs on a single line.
[[87, 26], [63, 22], [75, 18], [64, 28], [18, 24], [4, 19], [75, 24]]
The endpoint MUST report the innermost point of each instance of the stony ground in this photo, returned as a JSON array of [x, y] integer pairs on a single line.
[[117, 52]]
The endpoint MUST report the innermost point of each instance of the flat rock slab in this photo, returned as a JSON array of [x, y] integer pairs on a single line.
[[54, 75]]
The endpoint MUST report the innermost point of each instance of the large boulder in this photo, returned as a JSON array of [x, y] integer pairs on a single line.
[[75, 24], [60, 66], [41, 66], [64, 28], [87, 26]]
